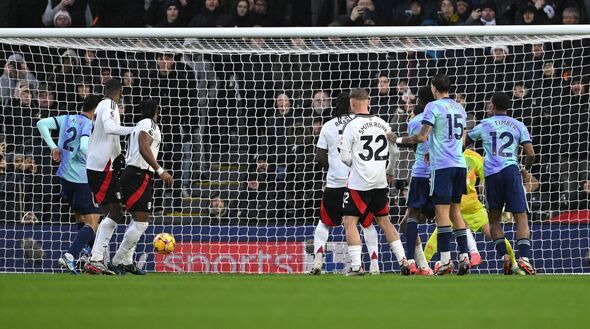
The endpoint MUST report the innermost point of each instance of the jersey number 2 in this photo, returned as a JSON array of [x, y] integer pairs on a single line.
[[367, 147], [74, 133]]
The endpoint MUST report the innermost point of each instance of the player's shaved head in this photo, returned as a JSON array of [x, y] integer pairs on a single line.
[[112, 88], [501, 101], [441, 82], [90, 103], [359, 101]]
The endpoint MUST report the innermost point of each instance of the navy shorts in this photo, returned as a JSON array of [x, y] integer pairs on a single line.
[[505, 188], [448, 185], [79, 197], [419, 196], [331, 208]]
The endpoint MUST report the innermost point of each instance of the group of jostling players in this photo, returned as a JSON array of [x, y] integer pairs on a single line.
[[360, 151], [93, 173]]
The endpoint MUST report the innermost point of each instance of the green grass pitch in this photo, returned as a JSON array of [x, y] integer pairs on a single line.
[[170, 301]]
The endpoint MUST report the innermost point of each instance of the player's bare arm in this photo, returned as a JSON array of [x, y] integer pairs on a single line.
[[145, 141], [321, 157], [529, 156], [420, 137]]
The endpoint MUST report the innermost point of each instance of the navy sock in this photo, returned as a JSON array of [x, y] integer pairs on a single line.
[[500, 246], [85, 234], [411, 237], [444, 238], [461, 237], [524, 247]]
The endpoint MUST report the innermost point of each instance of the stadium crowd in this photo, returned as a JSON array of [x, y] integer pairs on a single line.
[[265, 111]]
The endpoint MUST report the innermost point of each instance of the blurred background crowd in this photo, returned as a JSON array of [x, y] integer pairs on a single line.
[[240, 128]]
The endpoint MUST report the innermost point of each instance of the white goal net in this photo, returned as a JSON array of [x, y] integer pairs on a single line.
[[240, 118]]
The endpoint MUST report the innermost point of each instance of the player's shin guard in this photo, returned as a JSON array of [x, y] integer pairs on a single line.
[[125, 252], [524, 248], [355, 257], [372, 241], [421, 261], [411, 237], [84, 236], [444, 243], [320, 237], [461, 237], [102, 239]]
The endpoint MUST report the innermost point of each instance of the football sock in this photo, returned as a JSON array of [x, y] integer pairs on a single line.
[[103, 237], [421, 261], [125, 252], [471, 241], [510, 252], [411, 237], [524, 248], [431, 245], [85, 234], [320, 237], [372, 241], [461, 237], [500, 246], [355, 257], [398, 250], [444, 242]]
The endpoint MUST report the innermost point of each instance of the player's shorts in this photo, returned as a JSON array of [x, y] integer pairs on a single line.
[[477, 220], [331, 208], [505, 188], [358, 203], [419, 196], [448, 185], [79, 197], [105, 186], [138, 189]]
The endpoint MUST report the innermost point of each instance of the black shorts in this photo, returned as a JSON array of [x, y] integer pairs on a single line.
[[105, 186], [138, 189], [331, 208], [358, 203], [79, 196]]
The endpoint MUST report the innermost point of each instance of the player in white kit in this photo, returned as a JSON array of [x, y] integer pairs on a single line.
[[331, 206], [372, 160]]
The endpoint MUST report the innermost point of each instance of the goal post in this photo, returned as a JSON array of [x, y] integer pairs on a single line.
[[241, 110]]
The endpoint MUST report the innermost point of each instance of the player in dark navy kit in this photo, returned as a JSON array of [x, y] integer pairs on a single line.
[[502, 136]]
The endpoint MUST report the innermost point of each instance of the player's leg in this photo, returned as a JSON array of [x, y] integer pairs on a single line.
[[353, 239], [459, 226], [372, 242], [475, 222], [123, 260], [320, 238], [486, 231], [330, 216], [517, 205], [440, 192], [379, 205]]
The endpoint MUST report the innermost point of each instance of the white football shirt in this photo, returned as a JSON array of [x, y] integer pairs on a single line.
[[134, 157], [365, 149], [329, 139], [104, 144]]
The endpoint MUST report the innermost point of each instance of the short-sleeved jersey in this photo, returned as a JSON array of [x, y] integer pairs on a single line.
[[501, 136], [103, 147], [364, 137], [470, 202], [448, 120], [134, 157], [329, 139], [420, 168], [71, 130]]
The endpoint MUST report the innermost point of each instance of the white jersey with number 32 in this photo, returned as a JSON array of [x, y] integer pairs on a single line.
[[134, 157], [365, 146], [329, 139]]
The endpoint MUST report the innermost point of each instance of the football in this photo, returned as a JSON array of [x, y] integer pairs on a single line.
[[164, 243]]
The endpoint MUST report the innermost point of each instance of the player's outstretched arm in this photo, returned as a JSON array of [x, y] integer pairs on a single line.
[[112, 127], [145, 141], [44, 126], [420, 137]]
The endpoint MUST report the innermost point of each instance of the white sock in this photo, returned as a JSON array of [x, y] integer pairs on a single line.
[[320, 237], [355, 257], [471, 242], [398, 250], [125, 252], [105, 231], [372, 241], [445, 257], [421, 261]]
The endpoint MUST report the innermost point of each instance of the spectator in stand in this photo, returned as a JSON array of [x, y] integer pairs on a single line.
[[529, 16], [572, 125], [62, 19], [23, 196], [172, 17], [464, 10], [212, 15], [278, 127], [220, 212], [83, 89], [415, 15], [117, 13], [64, 77], [363, 11], [46, 101], [570, 15], [384, 101], [260, 15], [242, 17], [447, 14], [78, 11], [131, 96], [546, 12], [15, 69], [317, 128], [257, 201], [580, 199], [484, 15], [321, 104]]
